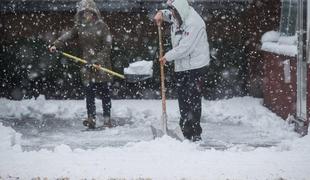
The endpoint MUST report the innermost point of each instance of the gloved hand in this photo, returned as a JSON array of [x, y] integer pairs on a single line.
[[163, 60], [52, 48], [89, 66], [158, 18]]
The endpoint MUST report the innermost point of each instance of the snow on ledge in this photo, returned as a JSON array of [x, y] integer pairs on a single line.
[[273, 42], [288, 50], [270, 36]]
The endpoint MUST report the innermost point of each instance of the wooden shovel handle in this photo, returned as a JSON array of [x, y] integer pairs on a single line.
[[162, 72]]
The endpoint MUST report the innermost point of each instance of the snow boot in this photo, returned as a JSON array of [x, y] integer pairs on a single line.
[[196, 138], [90, 123], [107, 122]]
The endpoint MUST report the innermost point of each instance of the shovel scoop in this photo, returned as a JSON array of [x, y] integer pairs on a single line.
[[139, 71]]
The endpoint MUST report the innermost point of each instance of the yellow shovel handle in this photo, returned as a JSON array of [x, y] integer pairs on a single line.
[[77, 59]]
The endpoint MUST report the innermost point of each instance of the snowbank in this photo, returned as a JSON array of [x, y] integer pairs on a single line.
[[38, 108], [9, 139], [273, 42], [162, 158], [244, 110]]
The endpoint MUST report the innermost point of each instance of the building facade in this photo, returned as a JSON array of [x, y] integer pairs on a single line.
[[286, 76]]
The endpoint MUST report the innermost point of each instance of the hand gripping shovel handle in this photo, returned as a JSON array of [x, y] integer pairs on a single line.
[[80, 60], [162, 81]]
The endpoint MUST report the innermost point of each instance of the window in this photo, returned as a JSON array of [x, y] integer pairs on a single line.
[[288, 17]]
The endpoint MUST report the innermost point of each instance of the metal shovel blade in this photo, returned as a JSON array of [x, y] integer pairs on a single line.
[[176, 133], [137, 77]]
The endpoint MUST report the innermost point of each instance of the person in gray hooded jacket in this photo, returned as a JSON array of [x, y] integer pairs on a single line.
[[95, 41], [190, 54]]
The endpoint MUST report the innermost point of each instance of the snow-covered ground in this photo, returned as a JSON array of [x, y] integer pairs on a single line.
[[45, 138]]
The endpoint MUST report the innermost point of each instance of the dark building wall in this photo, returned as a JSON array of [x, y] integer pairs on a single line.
[[279, 96], [226, 32], [29, 34], [134, 38], [262, 16]]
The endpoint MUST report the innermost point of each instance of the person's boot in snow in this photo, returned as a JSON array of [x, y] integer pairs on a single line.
[[196, 138], [107, 122], [90, 123]]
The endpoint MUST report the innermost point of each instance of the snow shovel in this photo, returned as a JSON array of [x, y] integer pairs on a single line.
[[129, 77], [177, 134], [139, 71]]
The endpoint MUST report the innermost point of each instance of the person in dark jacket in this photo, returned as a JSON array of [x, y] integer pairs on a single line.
[[95, 40], [190, 54]]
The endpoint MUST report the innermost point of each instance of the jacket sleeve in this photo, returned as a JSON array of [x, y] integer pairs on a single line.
[[186, 45], [167, 15], [71, 34]]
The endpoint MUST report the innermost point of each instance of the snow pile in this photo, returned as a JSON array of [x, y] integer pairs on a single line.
[[288, 40], [162, 158], [244, 110], [140, 67], [250, 112], [39, 108], [9, 139], [288, 50], [300, 144], [270, 36], [273, 42], [244, 120]]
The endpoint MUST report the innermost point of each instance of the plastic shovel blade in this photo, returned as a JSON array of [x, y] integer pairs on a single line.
[[137, 77]]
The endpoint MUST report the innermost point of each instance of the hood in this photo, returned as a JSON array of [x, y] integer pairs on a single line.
[[181, 6], [87, 5]]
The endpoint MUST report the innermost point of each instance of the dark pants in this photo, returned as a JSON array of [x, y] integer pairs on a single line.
[[102, 90], [189, 98]]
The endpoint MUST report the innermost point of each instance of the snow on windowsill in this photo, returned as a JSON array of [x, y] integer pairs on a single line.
[[288, 50], [273, 42]]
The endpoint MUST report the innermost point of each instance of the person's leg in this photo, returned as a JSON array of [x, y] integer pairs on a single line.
[[90, 104], [195, 96], [182, 88], [104, 91]]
